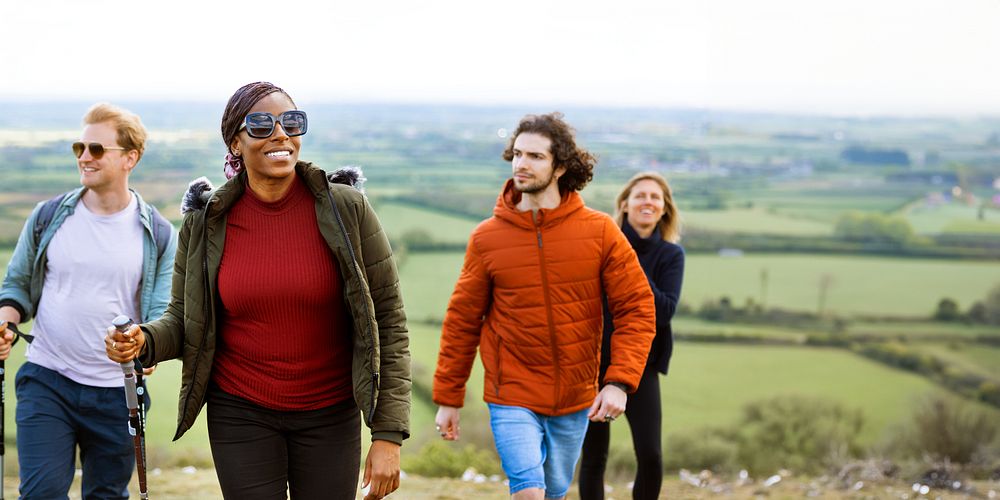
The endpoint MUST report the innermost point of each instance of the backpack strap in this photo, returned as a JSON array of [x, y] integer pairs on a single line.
[[161, 231], [161, 226], [45, 215]]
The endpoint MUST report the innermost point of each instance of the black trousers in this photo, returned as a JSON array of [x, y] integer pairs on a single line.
[[263, 454], [644, 416]]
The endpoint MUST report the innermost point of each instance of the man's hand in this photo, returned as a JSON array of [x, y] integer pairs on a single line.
[[447, 422], [124, 347], [608, 404], [6, 340], [381, 469]]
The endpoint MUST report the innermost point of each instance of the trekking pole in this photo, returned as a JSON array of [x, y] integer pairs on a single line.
[[3, 399], [122, 324]]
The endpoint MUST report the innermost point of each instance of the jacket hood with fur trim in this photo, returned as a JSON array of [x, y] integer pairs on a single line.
[[200, 190]]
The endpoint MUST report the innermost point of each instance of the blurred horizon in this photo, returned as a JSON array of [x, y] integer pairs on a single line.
[[849, 58]]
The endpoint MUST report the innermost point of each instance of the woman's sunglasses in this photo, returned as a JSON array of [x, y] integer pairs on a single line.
[[96, 149], [261, 125]]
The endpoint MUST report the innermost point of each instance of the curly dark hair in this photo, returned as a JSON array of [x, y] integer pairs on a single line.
[[239, 105], [579, 163]]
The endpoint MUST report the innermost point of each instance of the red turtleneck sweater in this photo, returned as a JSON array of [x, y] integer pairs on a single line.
[[284, 339]]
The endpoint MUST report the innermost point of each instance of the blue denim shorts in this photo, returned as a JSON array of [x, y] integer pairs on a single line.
[[538, 451]]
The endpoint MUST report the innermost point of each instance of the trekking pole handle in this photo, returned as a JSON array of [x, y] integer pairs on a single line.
[[122, 323]]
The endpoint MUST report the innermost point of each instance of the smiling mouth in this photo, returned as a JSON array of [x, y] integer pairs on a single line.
[[89, 169], [278, 155]]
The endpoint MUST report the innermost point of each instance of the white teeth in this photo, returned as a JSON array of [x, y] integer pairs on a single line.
[[278, 154]]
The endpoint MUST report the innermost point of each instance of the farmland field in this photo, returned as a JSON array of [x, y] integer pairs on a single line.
[[860, 284], [398, 218], [952, 218], [709, 383], [755, 221]]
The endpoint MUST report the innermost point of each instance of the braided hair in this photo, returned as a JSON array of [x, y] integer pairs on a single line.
[[237, 108]]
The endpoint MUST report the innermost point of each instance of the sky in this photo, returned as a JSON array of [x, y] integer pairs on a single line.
[[837, 57]]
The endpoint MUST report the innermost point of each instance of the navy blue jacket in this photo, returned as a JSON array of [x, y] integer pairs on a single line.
[[663, 263]]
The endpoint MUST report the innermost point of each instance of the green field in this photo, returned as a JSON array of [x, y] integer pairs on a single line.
[[710, 383], [977, 359], [915, 330], [860, 285], [755, 221], [398, 218], [951, 218]]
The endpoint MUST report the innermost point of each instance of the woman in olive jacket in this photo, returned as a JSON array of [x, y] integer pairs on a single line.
[[284, 347]]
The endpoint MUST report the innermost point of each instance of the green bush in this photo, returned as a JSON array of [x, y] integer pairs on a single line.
[[442, 459], [710, 448], [800, 433], [946, 429]]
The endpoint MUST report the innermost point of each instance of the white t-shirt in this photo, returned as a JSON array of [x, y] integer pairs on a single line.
[[93, 274]]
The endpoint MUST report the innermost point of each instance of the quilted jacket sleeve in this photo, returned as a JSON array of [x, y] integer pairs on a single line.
[[631, 303], [463, 323], [165, 335]]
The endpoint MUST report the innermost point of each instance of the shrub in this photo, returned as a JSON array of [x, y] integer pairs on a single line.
[[442, 459], [947, 310], [800, 433], [710, 448], [946, 429]]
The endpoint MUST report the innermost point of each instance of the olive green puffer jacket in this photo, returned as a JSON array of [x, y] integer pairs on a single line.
[[381, 356]]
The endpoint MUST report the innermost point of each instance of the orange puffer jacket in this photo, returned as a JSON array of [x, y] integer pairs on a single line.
[[529, 297]]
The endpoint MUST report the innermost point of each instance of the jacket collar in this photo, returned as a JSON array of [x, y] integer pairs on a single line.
[[506, 209], [202, 195], [640, 244]]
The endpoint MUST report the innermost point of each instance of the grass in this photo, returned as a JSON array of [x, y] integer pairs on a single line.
[[860, 284], [951, 218], [709, 383], [972, 358], [179, 484], [398, 218], [427, 280], [915, 330], [689, 325], [754, 221]]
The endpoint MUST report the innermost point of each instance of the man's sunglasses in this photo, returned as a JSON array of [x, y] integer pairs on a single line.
[[96, 149], [261, 125]]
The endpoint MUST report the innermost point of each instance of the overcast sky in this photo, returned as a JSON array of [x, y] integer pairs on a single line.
[[858, 57]]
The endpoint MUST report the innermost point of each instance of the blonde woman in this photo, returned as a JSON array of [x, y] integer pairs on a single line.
[[646, 213]]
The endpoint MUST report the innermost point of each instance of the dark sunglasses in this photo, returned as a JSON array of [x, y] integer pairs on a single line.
[[96, 149], [261, 125]]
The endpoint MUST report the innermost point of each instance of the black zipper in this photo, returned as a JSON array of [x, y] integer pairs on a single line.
[[368, 322], [206, 321]]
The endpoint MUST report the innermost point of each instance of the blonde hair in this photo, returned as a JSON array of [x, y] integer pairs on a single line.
[[670, 223], [131, 132]]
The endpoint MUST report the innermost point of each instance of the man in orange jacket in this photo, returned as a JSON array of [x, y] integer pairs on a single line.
[[529, 298]]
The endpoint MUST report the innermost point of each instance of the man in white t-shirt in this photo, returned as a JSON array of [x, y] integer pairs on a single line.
[[83, 258]]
